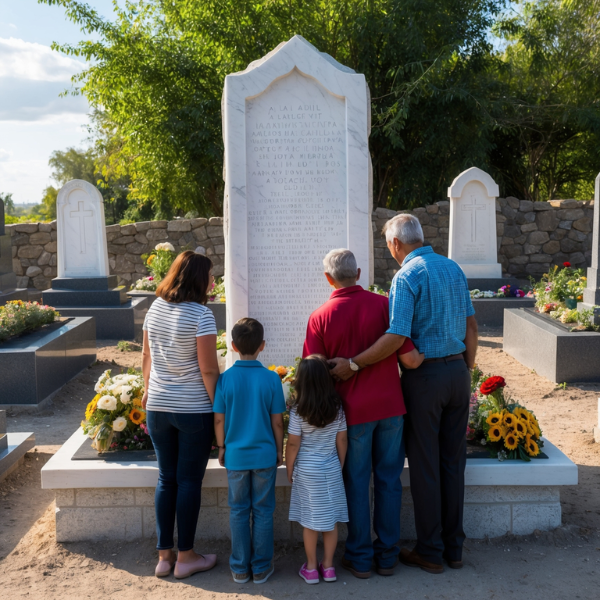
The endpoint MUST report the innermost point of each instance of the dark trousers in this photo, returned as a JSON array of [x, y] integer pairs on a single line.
[[182, 442], [437, 404]]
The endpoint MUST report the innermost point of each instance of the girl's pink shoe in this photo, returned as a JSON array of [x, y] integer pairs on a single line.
[[309, 576], [327, 574]]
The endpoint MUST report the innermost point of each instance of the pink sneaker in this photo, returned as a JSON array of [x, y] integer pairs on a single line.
[[309, 576], [327, 574]]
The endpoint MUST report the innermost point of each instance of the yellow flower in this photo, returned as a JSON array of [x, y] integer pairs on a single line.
[[520, 428], [521, 413], [511, 441], [531, 447], [91, 408], [495, 433], [137, 416], [584, 279], [137, 402], [272, 368], [510, 420], [579, 298], [150, 259], [494, 419]]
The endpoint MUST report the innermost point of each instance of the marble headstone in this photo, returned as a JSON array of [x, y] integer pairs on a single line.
[[82, 249], [296, 125], [8, 280], [472, 238], [591, 295]]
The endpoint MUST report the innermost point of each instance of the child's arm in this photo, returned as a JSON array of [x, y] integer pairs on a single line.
[[412, 359], [291, 452], [341, 443], [220, 435], [277, 426]]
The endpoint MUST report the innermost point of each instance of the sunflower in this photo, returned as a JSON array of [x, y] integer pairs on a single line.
[[511, 441], [520, 428], [150, 259], [495, 433], [510, 420], [271, 367], [137, 416], [137, 402], [521, 413], [531, 447], [91, 407], [494, 419], [533, 427]]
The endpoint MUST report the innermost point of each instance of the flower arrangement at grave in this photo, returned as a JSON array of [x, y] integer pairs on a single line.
[[18, 317], [222, 341], [508, 430], [115, 418], [158, 262], [506, 291], [379, 290], [217, 293], [287, 375]]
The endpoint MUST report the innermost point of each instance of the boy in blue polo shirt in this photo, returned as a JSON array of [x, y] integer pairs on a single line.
[[249, 407]]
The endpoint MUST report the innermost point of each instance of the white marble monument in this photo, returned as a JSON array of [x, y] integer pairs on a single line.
[[296, 125], [472, 238], [82, 250]]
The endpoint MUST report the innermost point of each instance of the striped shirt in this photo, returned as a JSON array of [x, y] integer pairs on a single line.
[[175, 379]]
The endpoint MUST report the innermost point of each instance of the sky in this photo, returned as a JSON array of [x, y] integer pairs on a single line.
[[34, 119]]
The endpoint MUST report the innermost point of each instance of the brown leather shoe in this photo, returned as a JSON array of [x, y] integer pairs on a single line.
[[411, 558], [453, 564], [387, 571], [350, 567]]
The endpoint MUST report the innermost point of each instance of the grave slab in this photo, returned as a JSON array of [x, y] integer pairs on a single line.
[[472, 241], [35, 365], [500, 497], [554, 352], [13, 447], [298, 185], [489, 312]]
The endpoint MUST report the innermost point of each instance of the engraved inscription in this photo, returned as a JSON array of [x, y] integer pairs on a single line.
[[297, 206]]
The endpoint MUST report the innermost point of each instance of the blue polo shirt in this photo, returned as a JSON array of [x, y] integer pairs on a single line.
[[430, 303], [248, 394]]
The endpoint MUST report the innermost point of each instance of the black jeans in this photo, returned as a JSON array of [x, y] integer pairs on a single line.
[[182, 442], [437, 404]]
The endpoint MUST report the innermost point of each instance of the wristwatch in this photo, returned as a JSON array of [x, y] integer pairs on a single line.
[[353, 365]]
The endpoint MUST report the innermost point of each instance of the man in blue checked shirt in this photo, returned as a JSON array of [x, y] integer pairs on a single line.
[[431, 304]]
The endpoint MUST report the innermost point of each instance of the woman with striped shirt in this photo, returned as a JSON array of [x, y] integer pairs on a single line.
[[180, 370]]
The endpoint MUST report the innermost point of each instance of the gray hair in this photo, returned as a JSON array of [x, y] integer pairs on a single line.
[[340, 264], [406, 228]]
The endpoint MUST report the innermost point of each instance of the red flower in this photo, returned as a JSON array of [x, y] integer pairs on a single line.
[[566, 264], [491, 384]]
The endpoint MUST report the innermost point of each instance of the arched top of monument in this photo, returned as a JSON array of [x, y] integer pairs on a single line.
[[473, 174], [78, 184]]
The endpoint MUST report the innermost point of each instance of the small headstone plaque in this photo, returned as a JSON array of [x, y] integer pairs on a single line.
[[472, 238]]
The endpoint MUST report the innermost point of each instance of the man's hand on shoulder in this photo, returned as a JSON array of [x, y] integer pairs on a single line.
[[341, 371]]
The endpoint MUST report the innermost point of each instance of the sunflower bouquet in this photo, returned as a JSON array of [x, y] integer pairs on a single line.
[[115, 419], [509, 431]]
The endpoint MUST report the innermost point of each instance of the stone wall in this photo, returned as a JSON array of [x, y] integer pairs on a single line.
[[532, 236]]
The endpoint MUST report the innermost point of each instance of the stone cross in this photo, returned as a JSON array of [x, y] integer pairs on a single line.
[[81, 229], [296, 127], [472, 238], [591, 294]]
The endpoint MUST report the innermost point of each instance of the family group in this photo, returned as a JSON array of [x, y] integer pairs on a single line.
[[354, 415]]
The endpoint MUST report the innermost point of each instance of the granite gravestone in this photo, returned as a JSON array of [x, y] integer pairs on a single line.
[[297, 184], [84, 286], [8, 279], [472, 238]]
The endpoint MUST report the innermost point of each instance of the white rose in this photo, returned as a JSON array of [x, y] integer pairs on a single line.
[[107, 403], [286, 390], [165, 246], [116, 388], [98, 387], [119, 424], [118, 378], [126, 394]]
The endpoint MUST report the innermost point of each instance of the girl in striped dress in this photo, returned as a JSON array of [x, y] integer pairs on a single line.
[[315, 454]]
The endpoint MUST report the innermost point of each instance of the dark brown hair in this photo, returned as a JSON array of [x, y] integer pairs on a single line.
[[317, 402], [247, 335], [187, 279]]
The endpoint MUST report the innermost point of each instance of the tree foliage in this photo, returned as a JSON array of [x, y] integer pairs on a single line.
[[444, 98]]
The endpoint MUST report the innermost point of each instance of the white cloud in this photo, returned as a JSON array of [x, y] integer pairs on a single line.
[[12, 26], [27, 60], [5, 154]]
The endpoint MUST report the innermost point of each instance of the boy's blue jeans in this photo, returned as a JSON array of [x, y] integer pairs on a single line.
[[379, 447], [251, 491]]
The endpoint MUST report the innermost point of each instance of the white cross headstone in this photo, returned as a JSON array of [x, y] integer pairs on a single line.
[[296, 125], [472, 238], [82, 249]]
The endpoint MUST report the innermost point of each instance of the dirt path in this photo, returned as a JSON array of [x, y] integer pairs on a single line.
[[560, 565]]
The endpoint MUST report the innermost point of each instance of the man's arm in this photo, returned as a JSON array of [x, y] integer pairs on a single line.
[[387, 344], [471, 341]]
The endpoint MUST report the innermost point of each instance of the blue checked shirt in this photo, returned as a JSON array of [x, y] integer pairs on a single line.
[[430, 303]]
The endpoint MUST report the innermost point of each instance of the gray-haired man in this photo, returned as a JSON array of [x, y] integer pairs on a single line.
[[431, 304]]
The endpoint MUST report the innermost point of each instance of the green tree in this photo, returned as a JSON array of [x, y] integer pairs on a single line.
[[9, 203]]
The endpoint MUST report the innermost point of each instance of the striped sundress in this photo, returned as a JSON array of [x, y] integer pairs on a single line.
[[318, 496]]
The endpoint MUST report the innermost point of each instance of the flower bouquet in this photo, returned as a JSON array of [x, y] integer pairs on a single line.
[[18, 317], [158, 262], [508, 430], [145, 284], [115, 419], [217, 294]]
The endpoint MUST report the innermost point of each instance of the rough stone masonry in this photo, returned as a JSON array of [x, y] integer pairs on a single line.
[[532, 236]]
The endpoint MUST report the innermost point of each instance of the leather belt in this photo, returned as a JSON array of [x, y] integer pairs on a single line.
[[445, 359]]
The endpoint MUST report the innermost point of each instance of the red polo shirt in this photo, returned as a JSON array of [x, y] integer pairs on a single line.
[[351, 321]]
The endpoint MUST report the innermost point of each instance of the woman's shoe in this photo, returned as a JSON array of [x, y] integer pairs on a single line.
[[327, 574], [164, 568], [311, 576], [204, 563]]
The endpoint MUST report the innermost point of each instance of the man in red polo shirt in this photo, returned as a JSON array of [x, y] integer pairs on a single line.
[[353, 319]]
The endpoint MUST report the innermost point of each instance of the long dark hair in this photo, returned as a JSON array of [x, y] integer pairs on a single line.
[[317, 402], [187, 279]]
